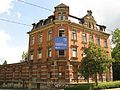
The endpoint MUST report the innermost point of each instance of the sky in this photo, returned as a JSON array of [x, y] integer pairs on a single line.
[[14, 37]]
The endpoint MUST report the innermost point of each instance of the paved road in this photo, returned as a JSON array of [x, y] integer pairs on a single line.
[[112, 89]]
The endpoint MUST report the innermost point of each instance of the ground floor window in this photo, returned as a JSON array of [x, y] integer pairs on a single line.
[[61, 52]]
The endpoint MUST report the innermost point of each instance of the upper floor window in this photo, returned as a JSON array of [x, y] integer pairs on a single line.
[[74, 52], [97, 40], [61, 32], [49, 35], [49, 52], [40, 36], [39, 53], [74, 35], [91, 38], [61, 52], [84, 38], [31, 55], [105, 43], [32, 39]]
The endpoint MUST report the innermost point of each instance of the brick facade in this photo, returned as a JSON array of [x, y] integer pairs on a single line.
[[47, 64]]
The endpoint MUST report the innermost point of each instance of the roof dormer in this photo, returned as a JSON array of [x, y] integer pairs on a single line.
[[61, 12], [89, 20]]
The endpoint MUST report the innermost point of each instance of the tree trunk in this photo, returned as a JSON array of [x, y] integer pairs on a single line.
[[96, 80], [88, 80]]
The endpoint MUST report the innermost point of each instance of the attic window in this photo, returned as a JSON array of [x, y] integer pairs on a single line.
[[61, 16]]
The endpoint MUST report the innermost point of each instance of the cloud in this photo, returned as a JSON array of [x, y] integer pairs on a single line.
[[5, 6], [7, 52], [104, 11], [18, 15], [4, 37]]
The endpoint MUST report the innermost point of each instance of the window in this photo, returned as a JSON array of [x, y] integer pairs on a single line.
[[105, 43], [74, 35], [84, 38], [49, 52], [74, 52], [32, 39], [97, 40], [40, 38], [91, 38], [61, 16], [49, 35], [31, 55], [84, 54], [61, 32], [39, 53], [89, 25], [61, 52]]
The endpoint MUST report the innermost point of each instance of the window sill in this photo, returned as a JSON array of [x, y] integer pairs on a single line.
[[106, 47], [84, 42], [74, 46], [74, 58], [75, 40]]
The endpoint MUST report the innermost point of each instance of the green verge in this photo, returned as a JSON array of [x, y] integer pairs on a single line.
[[89, 86]]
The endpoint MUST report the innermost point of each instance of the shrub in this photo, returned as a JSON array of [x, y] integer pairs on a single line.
[[107, 85], [81, 87]]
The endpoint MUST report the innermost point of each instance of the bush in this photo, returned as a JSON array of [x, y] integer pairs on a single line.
[[107, 85], [81, 87]]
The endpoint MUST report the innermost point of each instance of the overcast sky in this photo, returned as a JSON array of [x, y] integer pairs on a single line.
[[14, 38]]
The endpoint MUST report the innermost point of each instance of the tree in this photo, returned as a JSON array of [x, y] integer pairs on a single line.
[[5, 62], [116, 54], [24, 56], [96, 61]]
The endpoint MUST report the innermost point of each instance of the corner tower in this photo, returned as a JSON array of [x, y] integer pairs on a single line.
[[61, 12]]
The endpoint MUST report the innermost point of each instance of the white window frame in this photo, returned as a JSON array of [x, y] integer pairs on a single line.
[[74, 52], [40, 37], [105, 43], [32, 40], [49, 35], [74, 34], [91, 38], [97, 40], [39, 53], [63, 33], [84, 37], [49, 52], [31, 55]]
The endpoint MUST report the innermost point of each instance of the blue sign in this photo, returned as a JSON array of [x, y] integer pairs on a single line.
[[61, 43]]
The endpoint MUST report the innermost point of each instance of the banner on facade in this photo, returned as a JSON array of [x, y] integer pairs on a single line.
[[61, 43]]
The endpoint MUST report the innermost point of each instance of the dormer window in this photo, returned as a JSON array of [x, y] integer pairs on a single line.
[[61, 16]]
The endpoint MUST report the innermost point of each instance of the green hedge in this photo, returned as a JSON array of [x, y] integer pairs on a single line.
[[107, 85], [81, 87]]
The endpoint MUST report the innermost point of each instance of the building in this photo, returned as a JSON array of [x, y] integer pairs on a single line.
[[56, 47]]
